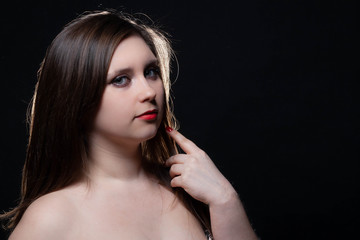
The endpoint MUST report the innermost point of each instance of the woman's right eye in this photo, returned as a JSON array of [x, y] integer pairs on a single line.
[[120, 81]]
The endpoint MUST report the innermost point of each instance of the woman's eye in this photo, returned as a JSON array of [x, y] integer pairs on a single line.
[[153, 73], [120, 81]]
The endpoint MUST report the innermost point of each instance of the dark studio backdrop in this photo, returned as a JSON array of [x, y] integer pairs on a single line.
[[266, 89]]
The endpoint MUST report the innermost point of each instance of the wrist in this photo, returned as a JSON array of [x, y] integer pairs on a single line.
[[227, 196]]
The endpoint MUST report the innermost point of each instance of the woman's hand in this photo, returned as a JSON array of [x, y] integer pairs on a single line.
[[197, 174]]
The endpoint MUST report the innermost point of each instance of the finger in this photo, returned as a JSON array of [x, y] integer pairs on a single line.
[[187, 145], [178, 158], [176, 182], [176, 170]]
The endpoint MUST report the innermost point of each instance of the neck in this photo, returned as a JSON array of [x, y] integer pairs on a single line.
[[114, 160]]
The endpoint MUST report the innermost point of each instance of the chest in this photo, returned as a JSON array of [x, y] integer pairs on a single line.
[[136, 216]]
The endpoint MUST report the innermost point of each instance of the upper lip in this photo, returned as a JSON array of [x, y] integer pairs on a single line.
[[148, 112]]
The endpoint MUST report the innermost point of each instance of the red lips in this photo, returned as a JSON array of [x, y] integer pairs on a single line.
[[148, 115]]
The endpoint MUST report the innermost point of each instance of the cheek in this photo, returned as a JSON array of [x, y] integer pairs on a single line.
[[109, 113], [160, 96], [160, 91]]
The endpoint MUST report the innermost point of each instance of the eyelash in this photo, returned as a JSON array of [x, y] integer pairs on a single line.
[[118, 79], [156, 71]]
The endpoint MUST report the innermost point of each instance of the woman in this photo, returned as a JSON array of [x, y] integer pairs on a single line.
[[101, 160]]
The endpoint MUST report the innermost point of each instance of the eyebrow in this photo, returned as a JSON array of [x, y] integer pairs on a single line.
[[152, 62]]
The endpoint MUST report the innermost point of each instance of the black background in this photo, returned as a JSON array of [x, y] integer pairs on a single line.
[[267, 89]]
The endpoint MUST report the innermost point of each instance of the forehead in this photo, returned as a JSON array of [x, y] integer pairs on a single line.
[[131, 52]]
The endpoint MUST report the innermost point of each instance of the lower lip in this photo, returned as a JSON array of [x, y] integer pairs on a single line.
[[150, 116]]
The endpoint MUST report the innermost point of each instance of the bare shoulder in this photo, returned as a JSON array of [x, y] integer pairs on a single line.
[[48, 217]]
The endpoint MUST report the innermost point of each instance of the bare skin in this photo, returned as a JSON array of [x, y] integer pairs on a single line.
[[195, 172], [110, 210], [117, 199]]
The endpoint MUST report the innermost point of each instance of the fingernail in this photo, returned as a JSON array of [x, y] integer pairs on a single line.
[[168, 129]]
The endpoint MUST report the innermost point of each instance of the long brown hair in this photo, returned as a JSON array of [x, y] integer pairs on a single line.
[[71, 81]]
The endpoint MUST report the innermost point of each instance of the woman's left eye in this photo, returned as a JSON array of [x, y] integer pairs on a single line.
[[153, 73]]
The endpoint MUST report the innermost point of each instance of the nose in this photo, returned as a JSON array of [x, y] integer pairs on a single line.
[[146, 91]]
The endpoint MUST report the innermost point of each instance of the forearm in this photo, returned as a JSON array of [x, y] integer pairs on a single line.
[[229, 220]]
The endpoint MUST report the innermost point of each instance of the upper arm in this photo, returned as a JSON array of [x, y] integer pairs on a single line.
[[45, 218]]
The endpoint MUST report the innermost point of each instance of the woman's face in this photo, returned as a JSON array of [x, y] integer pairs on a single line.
[[131, 108]]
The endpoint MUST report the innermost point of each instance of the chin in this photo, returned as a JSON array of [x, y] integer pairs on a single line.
[[150, 136], [145, 136]]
